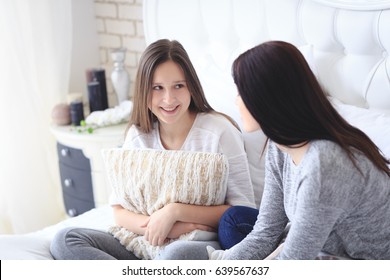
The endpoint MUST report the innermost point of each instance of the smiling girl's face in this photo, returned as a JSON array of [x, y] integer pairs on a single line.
[[170, 97]]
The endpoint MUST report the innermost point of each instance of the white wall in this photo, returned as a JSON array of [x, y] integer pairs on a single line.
[[85, 44], [120, 24]]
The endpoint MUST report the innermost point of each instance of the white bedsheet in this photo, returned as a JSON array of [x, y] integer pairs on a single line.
[[36, 245]]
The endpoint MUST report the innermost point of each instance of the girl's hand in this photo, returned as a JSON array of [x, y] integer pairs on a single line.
[[180, 228], [159, 225]]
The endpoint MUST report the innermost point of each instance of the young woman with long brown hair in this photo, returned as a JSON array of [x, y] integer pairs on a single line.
[[170, 112], [323, 176]]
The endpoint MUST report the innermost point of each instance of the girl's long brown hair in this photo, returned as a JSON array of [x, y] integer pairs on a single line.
[[154, 55], [281, 92]]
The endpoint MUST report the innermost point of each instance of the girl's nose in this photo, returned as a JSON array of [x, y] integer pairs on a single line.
[[168, 96]]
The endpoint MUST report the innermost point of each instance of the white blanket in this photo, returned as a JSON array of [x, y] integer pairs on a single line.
[[36, 245]]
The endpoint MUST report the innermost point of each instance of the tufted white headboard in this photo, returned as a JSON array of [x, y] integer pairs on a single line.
[[346, 42]]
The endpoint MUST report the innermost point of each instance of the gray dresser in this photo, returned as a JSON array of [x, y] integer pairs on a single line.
[[76, 180], [83, 179]]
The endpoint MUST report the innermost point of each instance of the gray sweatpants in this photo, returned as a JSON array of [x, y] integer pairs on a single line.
[[89, 244]]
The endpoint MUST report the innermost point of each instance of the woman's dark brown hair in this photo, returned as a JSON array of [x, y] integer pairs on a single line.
[[283, 95]]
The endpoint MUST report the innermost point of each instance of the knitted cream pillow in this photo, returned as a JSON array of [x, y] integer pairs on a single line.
[[147, 180]]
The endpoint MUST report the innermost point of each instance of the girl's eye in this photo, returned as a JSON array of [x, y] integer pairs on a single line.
[[179, 86], [157, 87]]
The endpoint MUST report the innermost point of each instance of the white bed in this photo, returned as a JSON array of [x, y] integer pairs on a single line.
[[346, 42]]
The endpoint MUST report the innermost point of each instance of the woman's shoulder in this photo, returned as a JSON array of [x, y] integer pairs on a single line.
[[328, 156], [332, 156], [323, 150], [326, 149]]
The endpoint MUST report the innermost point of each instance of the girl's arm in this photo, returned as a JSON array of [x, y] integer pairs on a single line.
[[137, 223], [129, 220], [206, 215], [160, 223], [180, 228]]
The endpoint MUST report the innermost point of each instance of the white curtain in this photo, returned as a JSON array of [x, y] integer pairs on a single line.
[[35, 55]]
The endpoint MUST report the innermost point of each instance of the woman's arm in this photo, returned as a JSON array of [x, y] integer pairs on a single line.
[[272, 219], [267, 231]]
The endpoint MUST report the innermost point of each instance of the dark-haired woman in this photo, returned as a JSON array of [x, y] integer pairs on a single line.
[[323, 176]]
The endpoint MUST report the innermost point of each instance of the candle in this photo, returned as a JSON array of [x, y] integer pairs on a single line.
[[95, 97], [98, 75], [76, 112]]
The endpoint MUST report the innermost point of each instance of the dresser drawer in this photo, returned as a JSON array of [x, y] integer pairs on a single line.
[[76, 182], [75, 206], [73, 157]]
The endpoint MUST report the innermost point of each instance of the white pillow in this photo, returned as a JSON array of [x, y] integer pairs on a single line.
[[147, 180], [374, 123]]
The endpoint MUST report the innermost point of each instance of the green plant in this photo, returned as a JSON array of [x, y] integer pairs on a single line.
[[84, 128]]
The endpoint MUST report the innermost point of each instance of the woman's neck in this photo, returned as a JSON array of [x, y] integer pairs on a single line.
[[173, 136], [296, 152]]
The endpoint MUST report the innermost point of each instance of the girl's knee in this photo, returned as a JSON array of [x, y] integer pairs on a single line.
[[187, 250], [58, 243], [63, 240]]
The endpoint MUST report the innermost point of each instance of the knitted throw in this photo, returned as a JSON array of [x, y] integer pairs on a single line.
[[147, 180]]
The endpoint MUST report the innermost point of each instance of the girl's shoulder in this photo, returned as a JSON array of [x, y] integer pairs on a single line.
[[136, 138], [214, 121]]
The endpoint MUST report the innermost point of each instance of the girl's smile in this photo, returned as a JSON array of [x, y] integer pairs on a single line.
[[170, 96]]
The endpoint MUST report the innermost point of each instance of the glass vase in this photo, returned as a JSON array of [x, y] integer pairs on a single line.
[[120, 77]]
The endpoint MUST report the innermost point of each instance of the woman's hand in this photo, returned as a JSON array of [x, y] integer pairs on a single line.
[[215, 254]]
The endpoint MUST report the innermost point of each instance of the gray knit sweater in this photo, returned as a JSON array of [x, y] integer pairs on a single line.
[[331, 205]]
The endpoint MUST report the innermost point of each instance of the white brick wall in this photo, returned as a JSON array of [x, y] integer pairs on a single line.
[[119, 24]]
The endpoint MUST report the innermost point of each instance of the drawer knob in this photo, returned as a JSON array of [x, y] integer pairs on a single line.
[[68, 183], [72, 212], [64, 152]]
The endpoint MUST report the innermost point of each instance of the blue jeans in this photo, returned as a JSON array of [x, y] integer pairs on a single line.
[[235, 224]]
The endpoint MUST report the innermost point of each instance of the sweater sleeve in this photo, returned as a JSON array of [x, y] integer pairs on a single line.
[[272, 220], [239, 185], [327, 191], [309, 231]]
